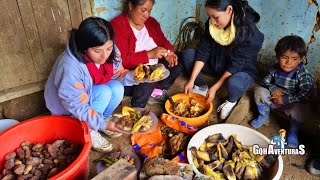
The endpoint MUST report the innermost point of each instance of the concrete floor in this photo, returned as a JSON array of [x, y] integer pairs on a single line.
[[294, 165]]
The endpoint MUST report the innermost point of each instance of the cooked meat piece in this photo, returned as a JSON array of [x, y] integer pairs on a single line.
[[139, 73], [147, 70], [180, 107], [196, 110], [127, 123], [160, 166], [156, 74], [156, 66], [175, 143], [193, 102]]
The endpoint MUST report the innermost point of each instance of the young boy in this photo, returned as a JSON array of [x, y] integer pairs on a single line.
[[288, 86]]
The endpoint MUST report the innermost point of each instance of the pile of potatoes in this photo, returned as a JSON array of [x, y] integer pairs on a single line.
[[39, 161]]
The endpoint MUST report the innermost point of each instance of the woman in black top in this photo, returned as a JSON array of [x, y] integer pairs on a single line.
[[228, 49]]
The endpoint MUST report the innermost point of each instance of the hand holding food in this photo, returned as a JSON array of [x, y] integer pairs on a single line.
[[172, 58], [158, 52]]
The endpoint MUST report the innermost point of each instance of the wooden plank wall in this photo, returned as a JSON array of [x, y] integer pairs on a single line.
[[17, 66], [32, 34]]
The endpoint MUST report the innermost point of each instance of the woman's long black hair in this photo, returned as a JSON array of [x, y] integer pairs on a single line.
[[92, 32], [244, 18]]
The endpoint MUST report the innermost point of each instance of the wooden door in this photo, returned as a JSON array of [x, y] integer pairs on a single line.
[[32, 35], [16, 62]]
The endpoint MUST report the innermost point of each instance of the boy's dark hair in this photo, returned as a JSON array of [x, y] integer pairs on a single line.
[[291, 43], [244, 18], [92, 32]]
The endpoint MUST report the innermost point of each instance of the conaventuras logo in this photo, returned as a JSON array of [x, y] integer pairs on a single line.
[[278, 146]]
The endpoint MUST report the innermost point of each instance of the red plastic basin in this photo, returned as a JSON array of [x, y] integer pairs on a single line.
[[47, 129]]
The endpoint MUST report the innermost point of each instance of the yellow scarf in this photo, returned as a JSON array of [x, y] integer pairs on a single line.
[[221, 36]]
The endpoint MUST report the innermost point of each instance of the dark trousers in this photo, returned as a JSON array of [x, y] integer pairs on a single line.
[[237, 84], [140, 93]]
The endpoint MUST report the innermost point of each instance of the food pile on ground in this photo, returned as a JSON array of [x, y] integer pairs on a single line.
[[187, 109], [149, 72], [160, 168], [222, 158], [39, 161], [133, 120], [114, 156], [176, 142]]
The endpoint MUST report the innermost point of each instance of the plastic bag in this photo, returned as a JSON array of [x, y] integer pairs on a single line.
[[178, 124], [149, 144]]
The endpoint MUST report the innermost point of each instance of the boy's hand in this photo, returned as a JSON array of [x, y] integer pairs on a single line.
[[278, 100], [277, 93]]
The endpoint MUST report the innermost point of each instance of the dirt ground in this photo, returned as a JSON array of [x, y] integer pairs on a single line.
[[294, 165]]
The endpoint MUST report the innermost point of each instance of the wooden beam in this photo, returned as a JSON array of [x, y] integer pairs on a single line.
[[9, 94]]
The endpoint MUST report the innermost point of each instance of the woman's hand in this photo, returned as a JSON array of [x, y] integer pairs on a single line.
[[188, 87], [158, 52], [211, 94], [111, 126], [172, 59], [120, 72]]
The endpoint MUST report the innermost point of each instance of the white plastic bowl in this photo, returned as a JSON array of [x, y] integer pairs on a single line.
[[6, 123], [245, 135]]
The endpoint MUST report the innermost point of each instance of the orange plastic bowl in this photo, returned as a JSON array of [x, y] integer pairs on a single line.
[[195, 121]]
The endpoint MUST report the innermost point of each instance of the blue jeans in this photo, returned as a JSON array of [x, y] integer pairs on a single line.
[[237, 84], [107, 97]]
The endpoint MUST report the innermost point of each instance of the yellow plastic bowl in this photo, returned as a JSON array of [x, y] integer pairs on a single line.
[[195, 121]]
